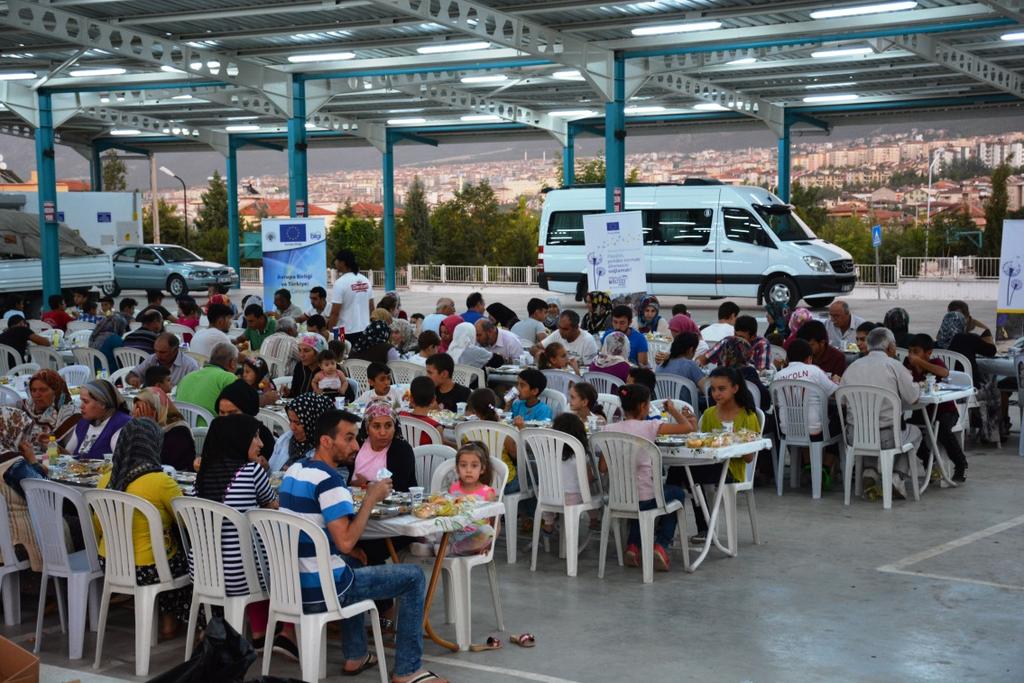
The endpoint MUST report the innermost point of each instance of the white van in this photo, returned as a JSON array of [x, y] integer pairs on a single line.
[[702, 239]]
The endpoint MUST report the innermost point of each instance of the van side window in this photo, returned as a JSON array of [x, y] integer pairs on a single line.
[[741, 225], [566, 228], [680, 227]]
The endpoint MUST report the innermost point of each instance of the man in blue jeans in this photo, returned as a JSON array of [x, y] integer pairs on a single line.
[[314, 489]]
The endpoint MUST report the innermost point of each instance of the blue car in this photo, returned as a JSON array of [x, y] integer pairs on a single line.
[[166, 267]]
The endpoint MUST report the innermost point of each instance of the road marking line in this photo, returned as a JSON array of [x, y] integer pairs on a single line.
[[899, 565], [944, 577], [514, 673]]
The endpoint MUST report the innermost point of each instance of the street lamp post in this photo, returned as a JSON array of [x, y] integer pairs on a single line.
[[928, 210], [184, 195]]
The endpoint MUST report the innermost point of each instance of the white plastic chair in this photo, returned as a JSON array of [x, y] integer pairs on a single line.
[[78, 338], [493, 435], [554, 400], [10, 570], [80, 326], [9, 397], [863, 437], [116, 511], [9, 359], [356, 369], [413, 430], [282, 383], [81, 570], [203, 523], [961, 379], [198, 357], [428, 459], [729, 500], [91, 358], [677, 386], [195, 416], [76, 375], [560, 380], [24, 369], [128, 357], [45, 357], [654, 347], [120, 376], [457, 569], [467, 374], [404, 372], [611, 405], [40, 326], [603, 382], [621, 452], [276, 422], [791, 398], [280, 532], [546, 447], [178, 330], [199, 438], [954, 362]]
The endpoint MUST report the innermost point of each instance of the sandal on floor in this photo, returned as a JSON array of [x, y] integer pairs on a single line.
[[368, 663], [524, 640], [491, 644], [425, 677]]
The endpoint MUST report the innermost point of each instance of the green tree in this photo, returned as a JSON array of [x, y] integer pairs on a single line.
[[947, 234], [415, 222], [995, 210], [516, 243], [361, 235], [962, 169], [592, 172], [214, 212], [466, 225], [807, 202], [115, 173], [172, 226]]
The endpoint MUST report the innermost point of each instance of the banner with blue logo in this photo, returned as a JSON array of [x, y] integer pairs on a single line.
[[294, 257], [615, 252]]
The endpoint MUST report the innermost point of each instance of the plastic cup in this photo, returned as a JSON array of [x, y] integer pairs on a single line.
[[416, 494], [727, 426], [460, 408]]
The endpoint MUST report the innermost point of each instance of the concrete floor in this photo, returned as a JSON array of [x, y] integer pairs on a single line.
[[930, 591]]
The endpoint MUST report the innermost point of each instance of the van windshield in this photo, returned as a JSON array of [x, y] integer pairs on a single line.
[[784, 222]]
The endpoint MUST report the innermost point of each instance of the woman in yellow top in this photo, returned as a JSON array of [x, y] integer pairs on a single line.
[[733, 404], [136, 470]]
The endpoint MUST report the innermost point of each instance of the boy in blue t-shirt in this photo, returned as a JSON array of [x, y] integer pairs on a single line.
[[530, 384]]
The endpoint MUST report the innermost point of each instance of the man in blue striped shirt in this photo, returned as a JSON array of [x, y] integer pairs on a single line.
[[314, 489]]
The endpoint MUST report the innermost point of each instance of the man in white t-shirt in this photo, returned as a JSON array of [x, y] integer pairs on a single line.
[[801, 367], [352, 298], [206, 338], [715, 333], [317, 305], [579, 344]]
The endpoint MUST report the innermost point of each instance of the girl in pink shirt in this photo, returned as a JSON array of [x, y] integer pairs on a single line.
[[473, 467]]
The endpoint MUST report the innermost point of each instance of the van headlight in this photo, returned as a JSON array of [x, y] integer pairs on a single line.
[[816, 264]]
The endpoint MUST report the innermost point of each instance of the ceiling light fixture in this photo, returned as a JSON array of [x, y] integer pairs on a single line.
[[182, 97], [243, 128], [489, 78], [841, 84], [18, 76], [124, 132], [441, 48], [819, 99], [662, 29], [859, 10], [570, 75], [166, 68], [843, 52], [321, 57], [105, 71], [649, 109], [742, 61], [572, 113], [1016, 35], [480, 118], [710, 106], [406, 121]]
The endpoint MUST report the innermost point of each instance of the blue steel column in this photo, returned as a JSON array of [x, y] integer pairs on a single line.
[[784, 163], [234, 251], [388, 164], [615, 137], [298, 187], [45, 163], [569, 157], [96, 168]]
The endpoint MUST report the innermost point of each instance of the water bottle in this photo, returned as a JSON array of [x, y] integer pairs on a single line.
[[55, 340], [512, 395], [52, 452], [339, 403]]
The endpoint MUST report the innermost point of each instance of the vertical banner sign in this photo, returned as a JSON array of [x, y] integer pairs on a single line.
[[294, 256], [1010, 298], [615, 252]]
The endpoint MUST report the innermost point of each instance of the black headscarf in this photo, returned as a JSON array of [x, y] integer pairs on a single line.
[[137, 452], [503, 315], [225, 451], [308, 408], [243, 396], [377, 332]]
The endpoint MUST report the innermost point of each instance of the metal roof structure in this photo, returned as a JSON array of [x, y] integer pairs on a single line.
[[219, 74]]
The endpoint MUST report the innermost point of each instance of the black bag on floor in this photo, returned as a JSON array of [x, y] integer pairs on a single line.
[[224, 656]]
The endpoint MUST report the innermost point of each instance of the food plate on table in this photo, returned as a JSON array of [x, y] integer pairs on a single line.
[[509, 369]]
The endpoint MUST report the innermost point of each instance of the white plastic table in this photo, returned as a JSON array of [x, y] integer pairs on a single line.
[[675, 454], [410, 525], [943, 394]]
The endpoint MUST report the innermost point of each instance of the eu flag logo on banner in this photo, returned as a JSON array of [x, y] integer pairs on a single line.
[[613, 226], [293, 232]]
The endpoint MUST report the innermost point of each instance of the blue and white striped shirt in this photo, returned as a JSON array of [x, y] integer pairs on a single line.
[[317, 492]]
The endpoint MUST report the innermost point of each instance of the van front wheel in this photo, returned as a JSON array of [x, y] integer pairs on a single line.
[[781, 289]]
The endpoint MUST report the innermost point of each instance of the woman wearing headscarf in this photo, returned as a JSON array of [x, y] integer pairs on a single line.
[[179, 448], [255, 373], [51, 408], [300, 441], [136, 470], [241, 399], [598, 317], [374, 344], [613, 358], [446, 330], [648, 318], [680, 324], [231, 474], [897, 320], [953, 335], [403, 335], [777, 313], [502, 315], [104, 414], [554, 310], [796, 321], [464, 349], [109, 335], [310, 346]]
